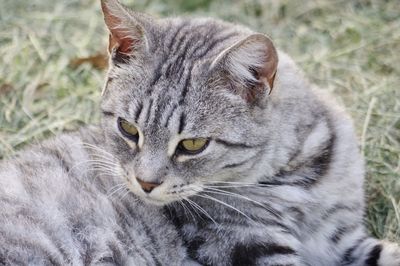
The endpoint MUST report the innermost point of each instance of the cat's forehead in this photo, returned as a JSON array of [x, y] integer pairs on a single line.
[[169, 90]]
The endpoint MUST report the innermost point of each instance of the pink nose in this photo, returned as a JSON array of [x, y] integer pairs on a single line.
[[147, 186]]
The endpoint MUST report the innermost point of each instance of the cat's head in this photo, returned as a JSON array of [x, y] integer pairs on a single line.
[[182, 101]]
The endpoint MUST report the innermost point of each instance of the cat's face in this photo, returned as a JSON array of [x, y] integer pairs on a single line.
[[180, 104]]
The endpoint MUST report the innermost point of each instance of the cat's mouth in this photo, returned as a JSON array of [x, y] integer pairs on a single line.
[[163, 194]]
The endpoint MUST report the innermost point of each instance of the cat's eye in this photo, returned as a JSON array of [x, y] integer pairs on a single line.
[[128, 130], [193, 146]]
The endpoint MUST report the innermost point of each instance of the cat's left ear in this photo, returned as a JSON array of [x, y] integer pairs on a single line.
[[250, 65], [127, 35]]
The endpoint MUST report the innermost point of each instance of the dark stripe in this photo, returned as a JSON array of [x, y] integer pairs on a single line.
[[297, 214], [193, 246], [61, 160], [374, 256], [273, 223], [117, 257], [179, 73], [335, 209], [233, 145], [173, 38], [138, 111], [107, 113], [170, 115], [243, 254], [186, 84], [129, 220], [252, 158], [271, 183], [148, 111], [340, 232], [150, 234], [233, 165], [156, 75], [322, 163], [168, 71], [348, 257], [182, 123], [307, 174], [202, 41], [36, 249], [109, 80], [214, 43], [174, 215], [178, 63], [178, 43]]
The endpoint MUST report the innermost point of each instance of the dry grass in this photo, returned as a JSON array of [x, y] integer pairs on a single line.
[[351, 48]]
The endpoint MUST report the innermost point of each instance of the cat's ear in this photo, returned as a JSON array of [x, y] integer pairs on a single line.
[[250, 65], [127, 35]]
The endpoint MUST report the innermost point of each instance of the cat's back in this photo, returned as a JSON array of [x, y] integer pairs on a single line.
[[61, 204]]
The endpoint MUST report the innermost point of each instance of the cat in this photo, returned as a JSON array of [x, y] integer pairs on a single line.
[[204, 113], [254, 165], [62, 205]]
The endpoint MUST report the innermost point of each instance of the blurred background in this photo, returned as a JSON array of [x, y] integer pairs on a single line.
[[52, 66]]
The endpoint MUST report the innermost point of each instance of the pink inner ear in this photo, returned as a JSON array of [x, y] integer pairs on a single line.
[[124, 46], [269, 70], [119, 37]]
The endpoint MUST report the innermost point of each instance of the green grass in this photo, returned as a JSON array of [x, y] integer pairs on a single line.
[[351, 48]]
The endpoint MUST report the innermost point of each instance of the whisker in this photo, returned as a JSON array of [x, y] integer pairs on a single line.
[[232, 194], [103, 162], [229, 182], [226, 184], [94, 147], [197, 206], [186, 209], [101, 166], [115, 189], [91, 162], [105, 168], [194, 209], [223, 203], [102, 158], [124, 195], [104, 171]]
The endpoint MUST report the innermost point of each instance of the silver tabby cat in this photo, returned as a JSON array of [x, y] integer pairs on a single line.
[[207, 120], [60, 206], [209, 114]]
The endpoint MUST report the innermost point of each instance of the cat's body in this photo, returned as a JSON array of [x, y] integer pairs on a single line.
[[273, 172], [59, 206], [305, 207], [207, 114]]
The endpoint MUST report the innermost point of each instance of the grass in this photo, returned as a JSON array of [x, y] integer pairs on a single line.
[[351, 48]]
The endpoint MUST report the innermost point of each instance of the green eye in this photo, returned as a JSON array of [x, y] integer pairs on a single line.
[[128, 130], [193, 146]]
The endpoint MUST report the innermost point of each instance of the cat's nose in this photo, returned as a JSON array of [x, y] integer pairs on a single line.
[[147, 186]]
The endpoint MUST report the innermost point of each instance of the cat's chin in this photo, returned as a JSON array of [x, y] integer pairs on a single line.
[[156, 202]]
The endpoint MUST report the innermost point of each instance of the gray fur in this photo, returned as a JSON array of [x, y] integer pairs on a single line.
[[281, 181], [62, 204]]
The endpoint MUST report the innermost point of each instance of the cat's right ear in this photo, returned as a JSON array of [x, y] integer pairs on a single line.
[[127, 36], [249, 66]]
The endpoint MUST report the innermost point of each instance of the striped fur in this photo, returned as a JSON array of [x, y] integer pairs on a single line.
[[62, 203], [281, 181]]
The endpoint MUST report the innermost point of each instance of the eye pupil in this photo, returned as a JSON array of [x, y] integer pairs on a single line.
[[128, 130], [192, 146]]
